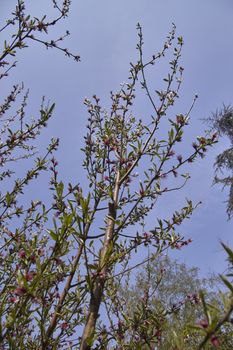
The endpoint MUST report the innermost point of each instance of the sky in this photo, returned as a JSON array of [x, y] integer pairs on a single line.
[[104, 34]]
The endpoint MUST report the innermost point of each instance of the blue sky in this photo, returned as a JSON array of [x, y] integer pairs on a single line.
[[104, 34]]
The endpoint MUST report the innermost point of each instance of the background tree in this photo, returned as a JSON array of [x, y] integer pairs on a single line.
[[222, 122], [169, 291]]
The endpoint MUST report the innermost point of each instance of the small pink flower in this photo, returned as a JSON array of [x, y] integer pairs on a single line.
[[215, 341], [203, 323], [13, 300], [102, 275], [193, 298], [20, 291], [22, 254], [33, 258], [180, 119], [147, 235], [202, 141], [30, 275], [178, 245], [64, 325]]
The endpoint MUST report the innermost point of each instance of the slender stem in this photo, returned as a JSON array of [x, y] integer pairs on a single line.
[[54, 319], [68, 284]]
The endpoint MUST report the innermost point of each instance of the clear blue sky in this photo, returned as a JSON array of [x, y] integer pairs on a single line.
[[104, 34]]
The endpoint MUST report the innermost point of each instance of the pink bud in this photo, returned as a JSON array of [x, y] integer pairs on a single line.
[[203, 323], [30, 275], [22, 254], [64, 325], [13, 300], [215, 341], [20, 291]]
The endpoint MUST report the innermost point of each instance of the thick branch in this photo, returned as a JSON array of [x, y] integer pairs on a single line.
[[99, 281]]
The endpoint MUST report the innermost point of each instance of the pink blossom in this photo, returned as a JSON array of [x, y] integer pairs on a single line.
[[203, 323], [13, 300], [22, 254], [215, 341], [30, 275], [33, 258], [64, 325], [20, 291]]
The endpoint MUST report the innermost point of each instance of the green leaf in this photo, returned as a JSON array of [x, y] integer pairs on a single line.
[[59, 189], [229, 252], [92, 267], [227, 283], [180, 40], [53, 235], [205, 307], [171, 135], [8, 198], [68, 219], [51, 108]]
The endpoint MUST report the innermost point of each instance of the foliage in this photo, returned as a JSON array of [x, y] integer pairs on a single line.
[[61, 263], [165, 306], [222, 122]]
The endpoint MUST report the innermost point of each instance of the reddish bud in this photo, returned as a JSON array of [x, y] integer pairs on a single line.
[[30, 275], [41, 252], [179, 158], [203, 323], [20, 291], [22, 254], [214, 136], [215, 341], [171, 153], [13, 300], [64, 325], [180, 119], [202, 141], [33, 258]]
